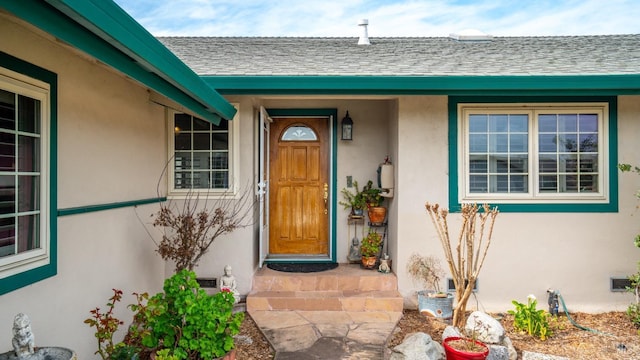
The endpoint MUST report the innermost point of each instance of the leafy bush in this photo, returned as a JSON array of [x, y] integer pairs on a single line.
[[530, 320], [183, 322]]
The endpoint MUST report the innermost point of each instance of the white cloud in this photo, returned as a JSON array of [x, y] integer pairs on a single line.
[[386, 18]]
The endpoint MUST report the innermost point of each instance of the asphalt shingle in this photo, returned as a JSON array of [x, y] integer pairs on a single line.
[[289, 56]]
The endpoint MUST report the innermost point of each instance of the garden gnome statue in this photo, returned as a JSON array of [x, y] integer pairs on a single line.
[[228, 282], [23, 341]]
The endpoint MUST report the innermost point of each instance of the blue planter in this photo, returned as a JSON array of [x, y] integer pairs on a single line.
[[440, 308]]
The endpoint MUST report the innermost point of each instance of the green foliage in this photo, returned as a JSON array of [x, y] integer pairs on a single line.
[[354, 201], [188, 321], [372, 195], [106, 325], [530, 320], [370, 245], [183, 322]]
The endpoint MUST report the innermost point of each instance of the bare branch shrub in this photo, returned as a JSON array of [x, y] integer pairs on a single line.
[[425, 269], [471, 249], [191, 225]]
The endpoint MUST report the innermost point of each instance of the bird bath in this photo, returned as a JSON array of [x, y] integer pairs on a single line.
[[24, 347]]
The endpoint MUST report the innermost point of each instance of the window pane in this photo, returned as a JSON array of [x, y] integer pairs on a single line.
[[588, 163], [183, 141], [224, 125], [28, 233], [519, 123], [201, 125], [478, 143], [498, 123], [7, 110], [499, 143], [478, 183], [547, 143], [220, 180], [478, 123], [568, 142], [519, 164], [518, 184], [568, 183], [219, 161], [548, 183], [28, 115], [182, 161], [588, 142], [568, 163], [28, 193], [7, 236], [519, 142], [548, 164], [588, 123], [182, 122], [567, 122], [478, 164], [201, 141], [547, 123], [7, 195], [499, 183], [200, 161], [588, 183], [7, 152], [498, 164], [220, 141], [28, 154]]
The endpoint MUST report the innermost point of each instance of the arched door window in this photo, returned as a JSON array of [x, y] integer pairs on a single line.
[[299, 133]]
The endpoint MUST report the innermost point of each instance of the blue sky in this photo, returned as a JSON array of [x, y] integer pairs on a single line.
[[386, 17]]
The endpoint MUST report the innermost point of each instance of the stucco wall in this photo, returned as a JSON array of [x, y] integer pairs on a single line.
[[111, 144], [575, 253]]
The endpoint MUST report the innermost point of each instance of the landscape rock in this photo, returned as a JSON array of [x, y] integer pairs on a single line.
[[450, 331], [418, 346], [498, 352], [487, 329]]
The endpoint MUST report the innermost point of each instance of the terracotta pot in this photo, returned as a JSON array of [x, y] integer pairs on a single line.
[[231, 355], [369, 262], [453, 353], [377, 214]]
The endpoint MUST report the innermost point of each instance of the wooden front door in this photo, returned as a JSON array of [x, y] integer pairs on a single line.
[[299, 203]]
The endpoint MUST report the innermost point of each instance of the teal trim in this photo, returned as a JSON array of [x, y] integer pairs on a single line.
[[102, 207], [611, 206], [20, 280], [334, 166], [103, 30], [561, 85]]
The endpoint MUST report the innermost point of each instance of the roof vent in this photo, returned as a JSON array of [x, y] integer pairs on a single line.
[[364, 37], [471, 35]]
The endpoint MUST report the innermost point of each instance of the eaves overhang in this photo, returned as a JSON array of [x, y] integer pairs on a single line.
[[622, 84], [104, 31]]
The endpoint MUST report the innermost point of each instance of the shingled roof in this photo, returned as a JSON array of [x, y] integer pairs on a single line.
[[291, 56]]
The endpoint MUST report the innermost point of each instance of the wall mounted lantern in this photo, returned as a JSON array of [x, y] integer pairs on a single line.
[[347, 127]]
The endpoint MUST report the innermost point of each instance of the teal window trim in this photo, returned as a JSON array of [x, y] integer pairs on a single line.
[[332, 114], [28, 277], [103, 30], [576, 207], [110, 206]]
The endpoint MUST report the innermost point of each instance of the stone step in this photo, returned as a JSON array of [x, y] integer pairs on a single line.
[[346, 288], [330, 300]]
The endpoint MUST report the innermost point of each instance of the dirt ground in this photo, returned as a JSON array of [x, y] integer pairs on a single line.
[[618, 338]]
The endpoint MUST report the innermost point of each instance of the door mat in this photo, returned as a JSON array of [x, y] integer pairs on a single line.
[[302, 267]]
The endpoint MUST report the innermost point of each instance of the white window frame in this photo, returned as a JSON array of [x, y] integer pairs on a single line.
[[234, 162], [533, 195], [23, 85]]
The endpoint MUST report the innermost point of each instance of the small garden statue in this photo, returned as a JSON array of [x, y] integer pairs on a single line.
[[385, 267], [23, 340], [228, 282]]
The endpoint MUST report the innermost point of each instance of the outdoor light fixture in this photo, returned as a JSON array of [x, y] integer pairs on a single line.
[[347, 127]]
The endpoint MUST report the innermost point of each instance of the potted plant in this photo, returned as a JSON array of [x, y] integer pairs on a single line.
[[373, 198], [431, 301], [370, 248], [356, 201], [462, 348]]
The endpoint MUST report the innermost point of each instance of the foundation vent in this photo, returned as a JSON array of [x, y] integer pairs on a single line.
[[620, 284], [451, 286], [207, 283]]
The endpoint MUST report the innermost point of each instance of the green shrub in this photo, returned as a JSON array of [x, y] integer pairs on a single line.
[[530, 320]]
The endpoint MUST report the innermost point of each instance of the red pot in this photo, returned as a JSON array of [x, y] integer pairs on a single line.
[[455, 354]]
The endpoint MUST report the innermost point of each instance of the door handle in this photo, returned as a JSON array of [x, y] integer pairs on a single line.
[[326, 198]]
